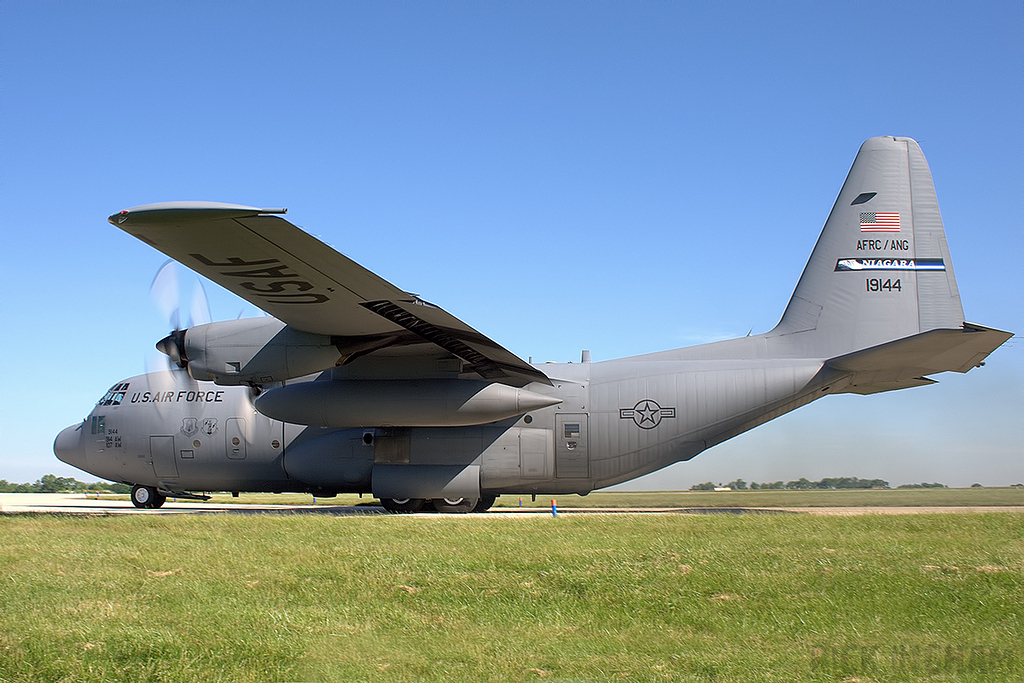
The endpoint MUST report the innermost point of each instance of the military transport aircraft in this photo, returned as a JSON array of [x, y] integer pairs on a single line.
[[355, 385]]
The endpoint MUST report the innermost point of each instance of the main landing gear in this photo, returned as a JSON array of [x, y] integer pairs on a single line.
[[445, 505], [147, 497]]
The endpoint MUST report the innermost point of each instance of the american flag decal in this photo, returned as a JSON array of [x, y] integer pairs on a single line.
[[879, 222]]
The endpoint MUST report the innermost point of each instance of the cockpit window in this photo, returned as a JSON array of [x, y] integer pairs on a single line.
[[115, 395], [98, 426]]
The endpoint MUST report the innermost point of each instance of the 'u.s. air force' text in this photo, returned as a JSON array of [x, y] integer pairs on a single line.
[[178, 397]]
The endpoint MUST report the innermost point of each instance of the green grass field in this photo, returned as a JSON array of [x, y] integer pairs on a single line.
[[573, 598]]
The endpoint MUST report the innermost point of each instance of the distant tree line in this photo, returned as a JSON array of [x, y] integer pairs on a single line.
[[803, 484], [51, 483]]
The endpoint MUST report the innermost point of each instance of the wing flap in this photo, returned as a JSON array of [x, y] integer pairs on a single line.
[[436, 325]]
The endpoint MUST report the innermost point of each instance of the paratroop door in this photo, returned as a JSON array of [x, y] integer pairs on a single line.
[[572, 458]]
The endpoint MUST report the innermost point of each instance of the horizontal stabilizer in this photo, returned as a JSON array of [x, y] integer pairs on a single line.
[[879, 387], [905, 362]]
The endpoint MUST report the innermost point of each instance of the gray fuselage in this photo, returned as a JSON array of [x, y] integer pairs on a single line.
[[616, 420]]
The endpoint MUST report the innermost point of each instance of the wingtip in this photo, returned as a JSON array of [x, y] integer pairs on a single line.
[[185, 210]]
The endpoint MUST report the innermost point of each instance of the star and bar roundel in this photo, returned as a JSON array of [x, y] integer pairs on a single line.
[[647, 414]]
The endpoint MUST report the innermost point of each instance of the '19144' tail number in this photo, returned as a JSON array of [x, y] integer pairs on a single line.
[[877, 284]]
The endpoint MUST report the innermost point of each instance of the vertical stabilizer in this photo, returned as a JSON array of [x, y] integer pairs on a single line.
[[880, 270]]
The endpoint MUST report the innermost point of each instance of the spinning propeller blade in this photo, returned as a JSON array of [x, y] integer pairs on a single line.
[[166, 293]]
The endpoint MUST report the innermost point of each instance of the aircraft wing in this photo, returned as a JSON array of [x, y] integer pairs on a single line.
[[303, 282]]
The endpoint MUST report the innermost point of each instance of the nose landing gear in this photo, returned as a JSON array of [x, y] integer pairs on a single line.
[[147, 497]]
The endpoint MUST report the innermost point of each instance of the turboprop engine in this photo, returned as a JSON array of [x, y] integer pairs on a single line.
[[249, 351], [399, 403]]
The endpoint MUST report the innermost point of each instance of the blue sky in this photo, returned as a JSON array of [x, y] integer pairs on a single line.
[[620, 177]]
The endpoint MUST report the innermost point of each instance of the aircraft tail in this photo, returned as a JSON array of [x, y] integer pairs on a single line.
[[880, 274], [880, 269]]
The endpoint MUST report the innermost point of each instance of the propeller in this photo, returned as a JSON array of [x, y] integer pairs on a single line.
[[166, 293], [167, 373]]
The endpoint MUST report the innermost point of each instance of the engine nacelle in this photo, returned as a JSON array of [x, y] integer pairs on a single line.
[[250, 351]]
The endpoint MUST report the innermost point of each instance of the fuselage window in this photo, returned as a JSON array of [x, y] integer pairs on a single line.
[[98, 426], [572, 430]]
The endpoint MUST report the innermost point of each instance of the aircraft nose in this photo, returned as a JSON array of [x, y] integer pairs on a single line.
[[68, 446]]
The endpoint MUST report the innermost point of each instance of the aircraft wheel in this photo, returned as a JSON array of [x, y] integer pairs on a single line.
[[146, 497], [485, 503], [454, 505], [402, 505]]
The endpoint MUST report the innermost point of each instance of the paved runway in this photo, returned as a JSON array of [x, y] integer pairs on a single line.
[[82, 504], [88, 504]]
